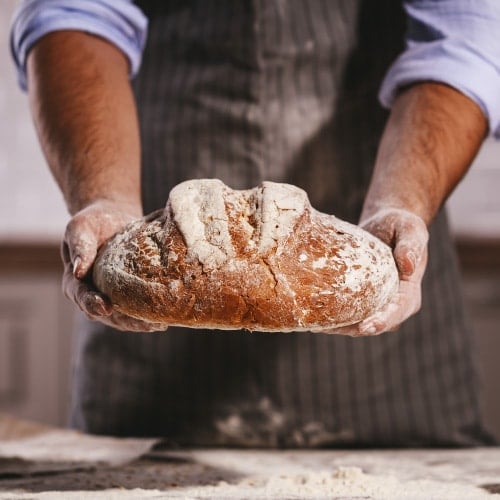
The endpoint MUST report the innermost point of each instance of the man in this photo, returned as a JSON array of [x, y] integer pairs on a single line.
[[284, 91]]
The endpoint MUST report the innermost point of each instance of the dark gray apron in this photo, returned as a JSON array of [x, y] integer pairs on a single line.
[[250, 90]]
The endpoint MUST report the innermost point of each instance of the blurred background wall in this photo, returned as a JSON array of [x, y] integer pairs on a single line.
[[36, 321], [30, 204]]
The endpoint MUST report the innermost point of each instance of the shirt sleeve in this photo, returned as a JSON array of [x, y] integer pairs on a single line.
[[118, 21], [456, 42]]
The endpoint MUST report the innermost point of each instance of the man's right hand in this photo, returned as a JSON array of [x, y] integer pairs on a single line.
[[85, 233], [85, 115]]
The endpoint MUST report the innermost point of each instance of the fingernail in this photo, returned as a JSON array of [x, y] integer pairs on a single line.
[[100, 307], [76, 266]]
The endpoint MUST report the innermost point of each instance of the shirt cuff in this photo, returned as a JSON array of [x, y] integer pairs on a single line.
[[453, 62], [117, 21]]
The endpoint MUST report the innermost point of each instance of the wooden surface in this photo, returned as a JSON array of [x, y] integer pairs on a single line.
[[29, 258], [479, 255]]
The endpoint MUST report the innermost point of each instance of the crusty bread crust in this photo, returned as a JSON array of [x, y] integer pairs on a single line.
[[261, 259]]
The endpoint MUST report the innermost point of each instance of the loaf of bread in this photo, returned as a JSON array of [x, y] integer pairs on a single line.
[[261, 259]]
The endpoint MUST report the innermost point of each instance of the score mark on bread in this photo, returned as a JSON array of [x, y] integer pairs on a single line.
[[259, 259]]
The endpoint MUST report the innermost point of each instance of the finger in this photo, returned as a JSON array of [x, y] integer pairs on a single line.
[[382, 224], [383, 321], [349, 330], [91, 302], [410, 248], [97, 307], [406, 260], [127, 323], [395, 328], [82, 246], [401, 307], [416, 270]]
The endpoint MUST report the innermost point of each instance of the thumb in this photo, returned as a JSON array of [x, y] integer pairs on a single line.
[[405, 232], [406, 260], [410, 247]]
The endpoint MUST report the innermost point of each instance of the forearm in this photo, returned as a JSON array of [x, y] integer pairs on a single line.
[[85, 116], [432, 136]]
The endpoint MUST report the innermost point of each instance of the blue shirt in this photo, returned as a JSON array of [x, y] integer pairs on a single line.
[[456, 42]]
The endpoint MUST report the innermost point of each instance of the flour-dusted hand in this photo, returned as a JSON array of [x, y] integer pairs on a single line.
[[426, 148], [407, 235], [88, 129], [85, 233]]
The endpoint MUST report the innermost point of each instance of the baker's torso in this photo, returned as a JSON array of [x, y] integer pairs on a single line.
[[285, 91]]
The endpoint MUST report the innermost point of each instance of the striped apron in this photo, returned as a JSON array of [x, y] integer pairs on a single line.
[[254, 90]]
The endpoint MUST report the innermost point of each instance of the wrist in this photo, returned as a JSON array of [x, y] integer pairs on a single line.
[[387, 212], [384, 207], [128, 204]]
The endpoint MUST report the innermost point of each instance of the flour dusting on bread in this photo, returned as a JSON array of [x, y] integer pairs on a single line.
[[200, 214], [278, 206], [260, 259]]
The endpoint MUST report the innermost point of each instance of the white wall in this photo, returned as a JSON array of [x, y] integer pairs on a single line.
[[31, 207], [474, 207]]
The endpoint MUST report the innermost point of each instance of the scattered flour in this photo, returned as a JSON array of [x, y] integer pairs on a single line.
[[258, 474], [344, 482]]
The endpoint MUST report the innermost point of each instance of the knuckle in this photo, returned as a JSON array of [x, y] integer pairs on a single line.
[[88, 303], [72, 228], [86, 300]]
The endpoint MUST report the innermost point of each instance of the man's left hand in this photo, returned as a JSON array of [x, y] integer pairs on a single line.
[[407, 235]]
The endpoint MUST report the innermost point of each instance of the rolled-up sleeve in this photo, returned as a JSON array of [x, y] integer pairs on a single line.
[[118, 21], [456, 42]]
